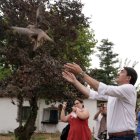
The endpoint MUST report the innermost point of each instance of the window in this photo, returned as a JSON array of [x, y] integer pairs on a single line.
[[50, 115]]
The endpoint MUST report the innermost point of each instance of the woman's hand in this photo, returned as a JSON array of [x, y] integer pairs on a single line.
[[74, 109], [64, 105]]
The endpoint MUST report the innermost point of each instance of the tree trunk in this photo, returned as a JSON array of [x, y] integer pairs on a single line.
[[25, 132]]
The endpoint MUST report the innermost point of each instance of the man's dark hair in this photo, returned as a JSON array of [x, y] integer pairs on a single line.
[[131, 72]]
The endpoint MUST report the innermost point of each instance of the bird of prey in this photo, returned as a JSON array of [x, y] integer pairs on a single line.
[[37, 35]]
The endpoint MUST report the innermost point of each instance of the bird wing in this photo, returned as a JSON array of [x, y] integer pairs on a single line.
[[23, 31], [39, 13], [46, 37]]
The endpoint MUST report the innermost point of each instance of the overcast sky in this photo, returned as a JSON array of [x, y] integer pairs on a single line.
[[118, 21]]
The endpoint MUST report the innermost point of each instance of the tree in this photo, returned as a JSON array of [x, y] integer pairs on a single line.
[[37, 74], [108, 60]]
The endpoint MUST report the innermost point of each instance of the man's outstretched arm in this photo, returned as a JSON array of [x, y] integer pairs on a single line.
[[76, 69], [70, 77]]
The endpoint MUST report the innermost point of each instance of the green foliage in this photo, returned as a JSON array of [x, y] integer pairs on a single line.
[[4, 72], [74, 39], [80, 50]]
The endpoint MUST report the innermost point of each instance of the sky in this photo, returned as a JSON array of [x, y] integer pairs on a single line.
[[119, 22]]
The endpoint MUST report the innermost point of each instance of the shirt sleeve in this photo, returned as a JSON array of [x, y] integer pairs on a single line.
[[126, 91], [95, 96]]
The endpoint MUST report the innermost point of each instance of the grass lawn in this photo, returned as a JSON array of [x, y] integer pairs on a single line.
[[34, 137], [45, 136]]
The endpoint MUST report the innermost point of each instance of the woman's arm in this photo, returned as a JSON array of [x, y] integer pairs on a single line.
[[63, 117], [82, 114]]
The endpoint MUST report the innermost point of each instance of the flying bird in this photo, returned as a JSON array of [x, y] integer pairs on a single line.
[[37, 35]]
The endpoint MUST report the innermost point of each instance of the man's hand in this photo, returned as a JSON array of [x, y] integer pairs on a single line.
[[101, 109], [69, 76], [73, 67]]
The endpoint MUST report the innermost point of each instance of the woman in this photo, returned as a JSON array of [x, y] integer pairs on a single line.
[[78, 120]]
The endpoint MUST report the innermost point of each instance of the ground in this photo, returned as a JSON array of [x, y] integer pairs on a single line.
[[34, 137], [45, 136]]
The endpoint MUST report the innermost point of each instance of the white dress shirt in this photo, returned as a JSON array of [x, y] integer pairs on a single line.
[[120, 107]]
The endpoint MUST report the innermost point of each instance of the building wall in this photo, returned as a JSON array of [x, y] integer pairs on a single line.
[[52, 128], [8, 116], [49, 128], [92, 108]]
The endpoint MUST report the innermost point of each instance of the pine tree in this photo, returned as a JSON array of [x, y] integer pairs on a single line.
[[108, 60]]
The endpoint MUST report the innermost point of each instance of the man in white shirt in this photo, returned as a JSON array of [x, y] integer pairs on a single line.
[[121, 99]]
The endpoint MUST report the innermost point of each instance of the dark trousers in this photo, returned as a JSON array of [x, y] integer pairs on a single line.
[[129, 137]]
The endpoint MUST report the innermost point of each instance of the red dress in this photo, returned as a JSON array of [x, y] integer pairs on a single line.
[[79, 129]]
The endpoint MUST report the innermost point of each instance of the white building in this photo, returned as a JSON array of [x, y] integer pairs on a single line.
[[8, 117]]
